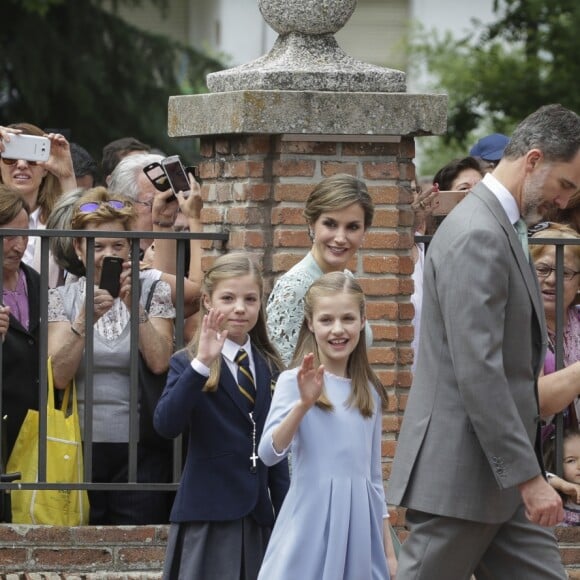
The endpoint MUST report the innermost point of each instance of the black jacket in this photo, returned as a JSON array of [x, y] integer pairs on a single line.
[[20, 365]]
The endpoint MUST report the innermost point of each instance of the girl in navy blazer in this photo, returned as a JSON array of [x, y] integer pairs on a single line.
[[227, 499]]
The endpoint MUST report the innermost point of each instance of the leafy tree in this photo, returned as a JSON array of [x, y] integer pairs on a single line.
[[501, 72], [72, 64]]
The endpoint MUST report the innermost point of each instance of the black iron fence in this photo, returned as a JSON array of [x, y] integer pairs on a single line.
[[182, 240]]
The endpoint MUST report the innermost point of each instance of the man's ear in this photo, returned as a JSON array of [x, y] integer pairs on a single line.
[[533, 158]]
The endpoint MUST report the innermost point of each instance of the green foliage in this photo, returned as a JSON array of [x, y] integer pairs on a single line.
[[71, 64], [502, 72], [40, 7]]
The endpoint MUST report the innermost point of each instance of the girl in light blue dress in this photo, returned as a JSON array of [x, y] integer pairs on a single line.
[[327, 411]]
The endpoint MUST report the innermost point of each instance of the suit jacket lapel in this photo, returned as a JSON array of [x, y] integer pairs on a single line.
[[524, 266]]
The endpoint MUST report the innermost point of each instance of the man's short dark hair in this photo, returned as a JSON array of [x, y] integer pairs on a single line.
[[83, 162], [552, 129], [114, 151]]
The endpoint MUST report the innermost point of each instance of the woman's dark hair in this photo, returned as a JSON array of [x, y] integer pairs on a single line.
[[337, 192], [447, 174]]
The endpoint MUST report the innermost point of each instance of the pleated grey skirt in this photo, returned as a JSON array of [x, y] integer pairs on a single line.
[[215, 550]]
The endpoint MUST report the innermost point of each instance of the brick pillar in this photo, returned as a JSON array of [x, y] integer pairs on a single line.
[[256, 186]]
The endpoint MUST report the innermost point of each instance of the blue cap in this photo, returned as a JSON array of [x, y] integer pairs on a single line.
[[490, 148]]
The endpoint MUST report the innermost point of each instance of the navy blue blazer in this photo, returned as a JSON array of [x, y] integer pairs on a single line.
[[217, 483]]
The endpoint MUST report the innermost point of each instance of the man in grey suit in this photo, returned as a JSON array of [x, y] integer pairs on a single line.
[[468, 464]]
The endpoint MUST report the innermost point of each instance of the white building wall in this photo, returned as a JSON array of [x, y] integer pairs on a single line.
[[147, 17], [231, 28], [453, 15], [235, 31]]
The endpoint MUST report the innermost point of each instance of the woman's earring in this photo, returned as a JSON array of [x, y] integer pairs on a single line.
[[311, 234]]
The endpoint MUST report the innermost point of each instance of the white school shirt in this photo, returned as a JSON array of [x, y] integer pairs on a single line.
[[229, 351]]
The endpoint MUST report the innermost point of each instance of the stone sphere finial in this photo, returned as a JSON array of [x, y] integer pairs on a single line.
[[306, 55], [307, 16]]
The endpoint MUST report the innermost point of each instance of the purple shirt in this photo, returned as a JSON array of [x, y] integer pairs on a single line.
[[17, 300]]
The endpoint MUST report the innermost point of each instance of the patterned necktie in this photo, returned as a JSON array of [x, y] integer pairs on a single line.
[[246, 382], [522, 230]]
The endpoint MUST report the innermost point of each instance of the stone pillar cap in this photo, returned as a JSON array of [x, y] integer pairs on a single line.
[[306, 56], [307, 113]]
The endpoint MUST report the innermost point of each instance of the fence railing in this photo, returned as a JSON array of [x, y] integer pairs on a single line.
[[182, 240]]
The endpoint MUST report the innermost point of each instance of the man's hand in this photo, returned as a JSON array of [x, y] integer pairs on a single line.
[[543, 504]]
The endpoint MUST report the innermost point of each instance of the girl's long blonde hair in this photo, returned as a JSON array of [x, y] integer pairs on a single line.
[[358, 367], [235, 265]]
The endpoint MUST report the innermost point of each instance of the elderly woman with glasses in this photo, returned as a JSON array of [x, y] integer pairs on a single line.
[[111, 333], [559, 391], [40, 185]]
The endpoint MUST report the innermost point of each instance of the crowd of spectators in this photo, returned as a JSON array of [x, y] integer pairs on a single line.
[[67, 192]]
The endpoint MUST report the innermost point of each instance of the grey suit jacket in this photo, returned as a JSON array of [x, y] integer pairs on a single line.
[[470, 430]]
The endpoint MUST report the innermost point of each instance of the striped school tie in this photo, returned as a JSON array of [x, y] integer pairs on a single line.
[[246, 382]]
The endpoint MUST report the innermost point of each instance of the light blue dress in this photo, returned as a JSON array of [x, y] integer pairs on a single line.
[[330, 526]]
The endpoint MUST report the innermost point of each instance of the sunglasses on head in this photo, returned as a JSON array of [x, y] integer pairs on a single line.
[[92, 206], [7, 161]]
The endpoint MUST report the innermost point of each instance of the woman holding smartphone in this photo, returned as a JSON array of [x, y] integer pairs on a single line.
[[99, 210], [39, 183]]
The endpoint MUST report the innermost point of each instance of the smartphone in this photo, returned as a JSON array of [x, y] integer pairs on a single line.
[[157, 176], [175, 174], [111, 275], [27, 147], [445, 201], [193, 170]]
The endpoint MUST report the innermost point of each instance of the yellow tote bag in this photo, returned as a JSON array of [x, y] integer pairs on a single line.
[[64, 464]]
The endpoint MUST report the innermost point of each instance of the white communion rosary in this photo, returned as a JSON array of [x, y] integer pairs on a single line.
[[253, 457]]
